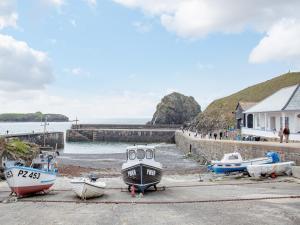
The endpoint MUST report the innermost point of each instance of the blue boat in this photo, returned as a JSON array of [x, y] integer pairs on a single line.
[[233, 162]]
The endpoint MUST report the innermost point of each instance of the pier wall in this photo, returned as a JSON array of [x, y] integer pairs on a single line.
[[215, 149], [53, 139], [125, 126], [121, 135]]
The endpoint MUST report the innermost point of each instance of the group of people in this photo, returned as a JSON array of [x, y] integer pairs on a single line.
[[222, 135], [284, 132]]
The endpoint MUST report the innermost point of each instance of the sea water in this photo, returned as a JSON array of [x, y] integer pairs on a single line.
[[75, 147]]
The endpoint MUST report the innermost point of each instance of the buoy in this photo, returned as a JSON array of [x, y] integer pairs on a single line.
[[273, 175], [132, 191]]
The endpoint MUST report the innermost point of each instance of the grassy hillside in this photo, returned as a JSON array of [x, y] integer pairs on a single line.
[[218, 115]]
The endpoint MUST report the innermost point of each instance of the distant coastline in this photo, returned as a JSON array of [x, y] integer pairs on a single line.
[[32, 117]]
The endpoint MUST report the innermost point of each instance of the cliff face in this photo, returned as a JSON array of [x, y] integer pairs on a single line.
[[32, 117], [218, 115], [175, 108]]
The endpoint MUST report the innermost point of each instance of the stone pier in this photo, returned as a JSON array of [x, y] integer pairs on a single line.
[[53, 139], [121, 133]]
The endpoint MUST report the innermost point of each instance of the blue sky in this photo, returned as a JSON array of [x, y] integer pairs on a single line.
[[118, 58]]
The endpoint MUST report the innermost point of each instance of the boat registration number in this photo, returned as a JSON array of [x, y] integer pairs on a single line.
[[131, 173], [32, 175], [151, 172], [9, 174]]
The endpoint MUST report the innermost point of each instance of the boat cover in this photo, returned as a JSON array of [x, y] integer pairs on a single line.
[[268, 169]]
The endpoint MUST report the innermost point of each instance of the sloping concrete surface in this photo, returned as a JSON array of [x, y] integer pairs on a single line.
[[219, 202]]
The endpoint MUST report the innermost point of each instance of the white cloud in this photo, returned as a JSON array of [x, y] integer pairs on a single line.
[[8, 15], [73, 22], [117, 105], [56, 3], [91, 3], [198, 18], [22, 67], [142, 27], [201, 66], [53, 41], [77, 71], [282, 43]]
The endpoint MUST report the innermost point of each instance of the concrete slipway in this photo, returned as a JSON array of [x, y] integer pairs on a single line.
[[185, 201]]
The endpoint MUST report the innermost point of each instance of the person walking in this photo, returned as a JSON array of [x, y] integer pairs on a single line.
[[215, 135], [221, 135], [286, 133], [280, 134]]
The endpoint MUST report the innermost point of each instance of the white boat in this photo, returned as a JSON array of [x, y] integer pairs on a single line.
[[38, 177], [87, 187], [283, 168], [233, 162], [141, 170]]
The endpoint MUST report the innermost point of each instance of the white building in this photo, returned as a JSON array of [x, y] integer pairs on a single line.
[[280, 110]]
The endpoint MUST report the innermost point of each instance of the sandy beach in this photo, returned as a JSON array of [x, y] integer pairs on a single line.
[[108, 165]]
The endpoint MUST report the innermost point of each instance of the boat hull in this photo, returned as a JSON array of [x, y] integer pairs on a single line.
[[142, 176], [25, 181], [85, 190], [224, 168]]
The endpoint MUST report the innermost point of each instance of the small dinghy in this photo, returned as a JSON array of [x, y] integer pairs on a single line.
[[88, 187], [233, 162], [141, 170], [38, 177], [283, 168]]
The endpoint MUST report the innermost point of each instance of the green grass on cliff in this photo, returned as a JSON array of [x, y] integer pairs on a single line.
[[18, 147], [218, 114]]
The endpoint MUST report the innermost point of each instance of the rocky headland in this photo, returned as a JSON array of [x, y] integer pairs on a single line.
[[176, 108]]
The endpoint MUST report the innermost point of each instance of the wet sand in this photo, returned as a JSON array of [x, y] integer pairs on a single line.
[[109, 165]]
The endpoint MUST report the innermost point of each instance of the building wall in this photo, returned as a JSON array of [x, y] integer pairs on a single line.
[[261, 124]]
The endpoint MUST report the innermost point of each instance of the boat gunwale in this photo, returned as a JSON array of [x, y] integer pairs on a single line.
[[31, 169]]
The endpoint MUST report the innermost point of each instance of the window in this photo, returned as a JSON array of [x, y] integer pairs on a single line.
[[149, 154], [140, 154], [284, 122], [132, 155], [233, 157]]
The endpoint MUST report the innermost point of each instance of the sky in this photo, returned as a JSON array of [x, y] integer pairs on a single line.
[[117, 58]]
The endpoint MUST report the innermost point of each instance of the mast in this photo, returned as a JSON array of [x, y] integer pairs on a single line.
[[45, 129]]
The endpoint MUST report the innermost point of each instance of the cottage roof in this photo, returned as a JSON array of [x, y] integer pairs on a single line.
[[246, 105], [283, 100]]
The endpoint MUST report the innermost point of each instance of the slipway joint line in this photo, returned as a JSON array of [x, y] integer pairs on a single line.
[[183, 186], [160, 202]]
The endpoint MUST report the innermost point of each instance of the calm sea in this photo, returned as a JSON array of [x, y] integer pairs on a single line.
[[74, 148]]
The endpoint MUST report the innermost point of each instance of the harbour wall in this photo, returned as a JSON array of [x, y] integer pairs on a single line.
[[53, 139], [121, 135], [126, 126], [215, 149]]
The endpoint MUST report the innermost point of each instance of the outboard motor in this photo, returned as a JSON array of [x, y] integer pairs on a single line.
[[274, 155]]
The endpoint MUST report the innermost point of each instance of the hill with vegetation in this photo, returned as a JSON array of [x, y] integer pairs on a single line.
[[32, 117], [15, 149], [219, 114]]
